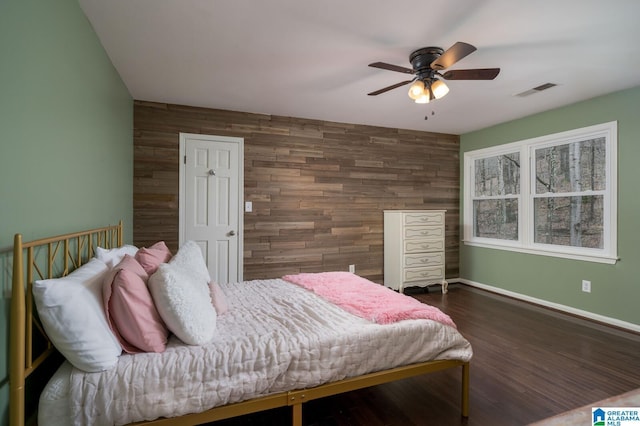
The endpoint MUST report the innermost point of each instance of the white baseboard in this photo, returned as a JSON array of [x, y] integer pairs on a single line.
[[563, 308]]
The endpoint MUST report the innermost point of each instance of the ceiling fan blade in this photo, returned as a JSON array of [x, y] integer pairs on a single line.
[[391, 67], [452, 55], [386, 89], [473, 74]]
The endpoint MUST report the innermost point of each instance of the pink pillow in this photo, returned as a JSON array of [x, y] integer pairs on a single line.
[[130, 310], [218, 298], [151, 257]]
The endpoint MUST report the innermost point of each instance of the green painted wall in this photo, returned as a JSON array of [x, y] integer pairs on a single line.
[[615, 288], [66, 135]]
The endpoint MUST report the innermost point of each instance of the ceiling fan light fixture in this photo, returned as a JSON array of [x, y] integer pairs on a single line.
[[416, 90], [423, 91], [439, 89], [423, 99]]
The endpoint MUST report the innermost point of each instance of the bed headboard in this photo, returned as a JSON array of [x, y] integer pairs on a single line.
[[45, 258]]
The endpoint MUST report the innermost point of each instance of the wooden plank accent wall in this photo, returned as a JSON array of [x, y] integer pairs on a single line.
[[318, 188]]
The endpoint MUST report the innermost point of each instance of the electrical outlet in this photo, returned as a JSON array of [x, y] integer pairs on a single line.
[[586, 286], [352, 269]]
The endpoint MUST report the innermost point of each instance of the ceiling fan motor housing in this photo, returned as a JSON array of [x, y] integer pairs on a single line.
[[421, 59]]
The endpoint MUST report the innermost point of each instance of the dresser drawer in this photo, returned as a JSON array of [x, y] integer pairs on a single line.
[[412, 232], [423, 259], [419, 246], [424, 218], [435, 273]]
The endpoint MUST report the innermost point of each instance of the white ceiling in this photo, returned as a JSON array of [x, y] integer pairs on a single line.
[[308, 59]]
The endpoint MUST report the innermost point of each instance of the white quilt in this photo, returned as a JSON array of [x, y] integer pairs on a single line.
[[275, 337]]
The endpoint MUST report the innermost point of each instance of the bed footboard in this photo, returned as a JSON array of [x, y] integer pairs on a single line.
[[295, 399]]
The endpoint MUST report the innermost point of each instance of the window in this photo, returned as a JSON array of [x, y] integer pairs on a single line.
[[497, 192], [554, 195]]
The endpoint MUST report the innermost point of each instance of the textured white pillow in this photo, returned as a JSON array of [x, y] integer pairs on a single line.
[[72, 314], [181, 295], [189, 257], [113, 256]]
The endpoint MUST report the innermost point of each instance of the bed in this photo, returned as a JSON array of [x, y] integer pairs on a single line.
[[278, 345]]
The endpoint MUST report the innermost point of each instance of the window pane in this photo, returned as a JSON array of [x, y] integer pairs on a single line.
[[499, 175], [496, 219], [569, 221], [574, 167]]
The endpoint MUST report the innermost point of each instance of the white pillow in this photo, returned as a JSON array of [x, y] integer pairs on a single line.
[[113, 256], [190, 257], [181, 295], [72, 313]]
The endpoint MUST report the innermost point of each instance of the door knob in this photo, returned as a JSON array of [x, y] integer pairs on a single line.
[[212, 172], [231, 233]]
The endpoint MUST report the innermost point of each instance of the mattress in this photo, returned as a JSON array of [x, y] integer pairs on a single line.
[[275, 337]]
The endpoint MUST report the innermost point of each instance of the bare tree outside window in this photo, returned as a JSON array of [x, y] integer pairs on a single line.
[[569, 204], [495, 205]]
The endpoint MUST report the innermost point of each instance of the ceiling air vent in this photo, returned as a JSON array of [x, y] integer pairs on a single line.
[[537, 89]]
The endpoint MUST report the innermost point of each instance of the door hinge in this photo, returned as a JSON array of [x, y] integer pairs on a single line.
[[185, 159]]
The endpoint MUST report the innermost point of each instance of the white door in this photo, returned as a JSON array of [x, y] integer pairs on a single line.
[[211, 195]]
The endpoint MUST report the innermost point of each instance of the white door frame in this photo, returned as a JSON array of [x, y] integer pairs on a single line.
[[240, 189]]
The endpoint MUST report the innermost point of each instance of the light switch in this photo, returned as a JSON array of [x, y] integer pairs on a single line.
[[248, 206]]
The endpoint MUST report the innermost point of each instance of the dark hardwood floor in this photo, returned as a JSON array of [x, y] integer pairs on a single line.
[[529, 363]]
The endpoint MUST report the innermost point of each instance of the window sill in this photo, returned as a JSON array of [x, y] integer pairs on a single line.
[[535, 251]]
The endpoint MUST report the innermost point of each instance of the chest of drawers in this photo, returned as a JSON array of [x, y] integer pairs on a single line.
[[414, 248]]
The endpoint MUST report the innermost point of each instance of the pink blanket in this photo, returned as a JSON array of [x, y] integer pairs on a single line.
[[367, 299]]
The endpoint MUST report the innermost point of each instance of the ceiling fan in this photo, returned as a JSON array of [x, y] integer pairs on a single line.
[[427, 63]]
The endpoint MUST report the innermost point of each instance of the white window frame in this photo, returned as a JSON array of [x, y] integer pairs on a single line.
[[525, 242]]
